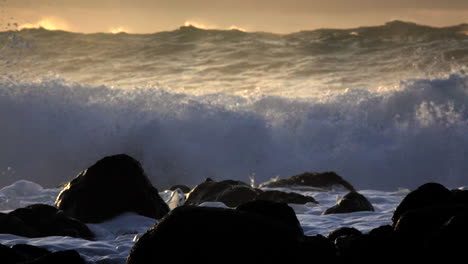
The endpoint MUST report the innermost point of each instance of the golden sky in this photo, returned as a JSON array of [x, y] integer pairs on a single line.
[[281, 16]]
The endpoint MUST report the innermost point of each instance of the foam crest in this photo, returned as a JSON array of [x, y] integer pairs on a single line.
[[52, 129]]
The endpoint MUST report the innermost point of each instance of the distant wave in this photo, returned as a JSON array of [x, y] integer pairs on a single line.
[[51, 129], [198, 61]]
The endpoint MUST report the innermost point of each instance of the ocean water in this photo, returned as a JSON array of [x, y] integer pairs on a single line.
[[385, 107]]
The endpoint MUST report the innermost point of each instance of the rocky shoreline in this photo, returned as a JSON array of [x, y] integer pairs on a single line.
[[429, 224]]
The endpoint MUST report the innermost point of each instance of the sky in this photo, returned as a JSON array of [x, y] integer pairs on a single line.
[[279, 16]]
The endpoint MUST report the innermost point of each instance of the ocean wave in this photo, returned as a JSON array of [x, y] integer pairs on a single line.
[[51, 129], [200, 61]]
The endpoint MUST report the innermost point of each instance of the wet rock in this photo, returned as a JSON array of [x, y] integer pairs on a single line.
[[216, 235], [419, 223], [426, 195], [284, 197], [351, 202], [112, 186], [323, 181], [40, 220], [274, 211], [230, 192]]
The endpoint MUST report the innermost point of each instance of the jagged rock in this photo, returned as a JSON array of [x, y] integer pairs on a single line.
[[351, 202], [230, 192], [217, 235], [324, 181], [284, 197], [112, 186], [40, 220]]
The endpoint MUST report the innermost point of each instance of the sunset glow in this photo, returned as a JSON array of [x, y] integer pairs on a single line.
[[49, 23]]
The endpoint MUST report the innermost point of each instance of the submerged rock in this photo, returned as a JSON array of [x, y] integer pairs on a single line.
[[351, 202], [112, 186], [40, 220], [191, 234], [325, 181]]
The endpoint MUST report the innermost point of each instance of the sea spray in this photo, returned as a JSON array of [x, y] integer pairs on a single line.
[[52, 129]]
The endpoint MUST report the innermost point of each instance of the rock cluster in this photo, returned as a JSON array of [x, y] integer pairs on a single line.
[[234, 193]]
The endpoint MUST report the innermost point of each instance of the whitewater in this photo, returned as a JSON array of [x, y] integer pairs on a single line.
[[385, 107]]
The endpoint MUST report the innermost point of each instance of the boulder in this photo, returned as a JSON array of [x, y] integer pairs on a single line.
[[449, 242], [112, 186], [40, 220], [230, 192], [426, 195], [274, 211], [321, 181], [191, 234], [285, 197], [351, 202], [420, 223]]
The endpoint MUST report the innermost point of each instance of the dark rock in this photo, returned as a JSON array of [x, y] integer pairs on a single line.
[[29, 252], [183, 188], [274, 211], [426, 195], [449, 242], [216, 235], [40, 220], [232, 193], [9, 256], [60, 257], [284, 197], [10, 224], [353, 249], [325, 181], [459, 197], [343, 231], [112, 186], [419, 223], [351, 202], [318, 248]]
